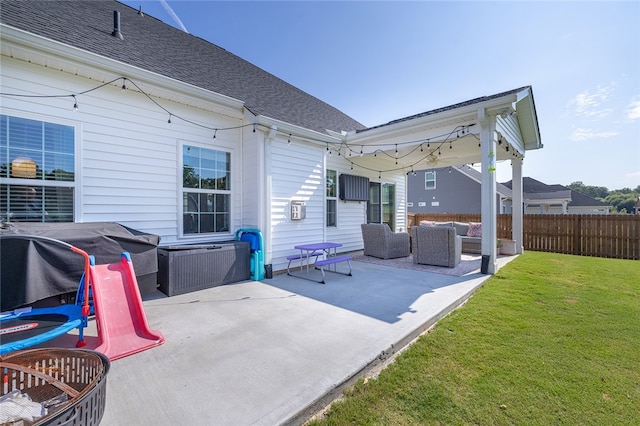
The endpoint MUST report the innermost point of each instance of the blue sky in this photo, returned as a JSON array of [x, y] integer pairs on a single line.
[[379, 61]]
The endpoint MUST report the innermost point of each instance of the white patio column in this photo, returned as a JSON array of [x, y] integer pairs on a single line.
[[488, 191], [518, 205]]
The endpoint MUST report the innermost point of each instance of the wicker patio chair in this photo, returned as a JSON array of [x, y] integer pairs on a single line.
[[439, 246], [381, 242]]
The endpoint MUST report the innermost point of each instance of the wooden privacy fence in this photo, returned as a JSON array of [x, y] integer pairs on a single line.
[[613, 236]]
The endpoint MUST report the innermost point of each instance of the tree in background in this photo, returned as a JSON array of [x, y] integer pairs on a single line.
[[623, 200], [597, 192]]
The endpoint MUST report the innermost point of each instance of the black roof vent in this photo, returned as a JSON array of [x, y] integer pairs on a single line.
[[116, 25]]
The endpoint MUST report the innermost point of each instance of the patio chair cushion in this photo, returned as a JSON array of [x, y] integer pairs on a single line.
[[475, 230]]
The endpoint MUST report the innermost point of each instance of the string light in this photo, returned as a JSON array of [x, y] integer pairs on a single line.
[[464, 129]]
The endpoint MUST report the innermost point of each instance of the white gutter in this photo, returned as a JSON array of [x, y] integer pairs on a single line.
[[13, 38]]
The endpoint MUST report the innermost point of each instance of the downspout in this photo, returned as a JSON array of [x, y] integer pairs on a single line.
[[266, 192]]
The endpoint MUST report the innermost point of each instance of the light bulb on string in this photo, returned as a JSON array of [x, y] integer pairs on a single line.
[[361, 153], [396, 152], [169, 120], [289, 139], [75, 103], [214, 133]]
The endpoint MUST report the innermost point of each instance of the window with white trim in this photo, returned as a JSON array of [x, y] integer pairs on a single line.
[[332, 198], [430, 180], [37, 170], [206, 190]]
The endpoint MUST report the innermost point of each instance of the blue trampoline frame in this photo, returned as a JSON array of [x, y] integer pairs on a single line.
[[77, 313]]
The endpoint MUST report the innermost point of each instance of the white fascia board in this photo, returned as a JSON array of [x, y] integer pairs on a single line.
[[464, 115], [87, 64], [527, 115], [297, 132]]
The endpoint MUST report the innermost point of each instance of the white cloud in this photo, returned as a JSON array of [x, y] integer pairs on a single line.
[[588, 104], [586, 134], [633, 110]]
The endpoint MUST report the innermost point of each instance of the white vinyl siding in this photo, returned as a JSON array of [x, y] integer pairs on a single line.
[[127, 165]]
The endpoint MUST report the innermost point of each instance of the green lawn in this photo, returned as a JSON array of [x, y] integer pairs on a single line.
[[549, 340]]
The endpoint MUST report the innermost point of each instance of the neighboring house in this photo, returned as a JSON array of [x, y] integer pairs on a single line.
[[540, 198], [455, 189], [109, 115]]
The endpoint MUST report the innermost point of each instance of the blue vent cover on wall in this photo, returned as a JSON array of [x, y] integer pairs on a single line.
[[354, 188]]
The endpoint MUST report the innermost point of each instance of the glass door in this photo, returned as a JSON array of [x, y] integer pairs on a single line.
[[381, 207]]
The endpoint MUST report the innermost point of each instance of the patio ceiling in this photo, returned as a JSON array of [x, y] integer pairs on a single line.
[[447, 136]]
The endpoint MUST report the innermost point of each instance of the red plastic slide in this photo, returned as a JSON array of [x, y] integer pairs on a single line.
[[122, 323]]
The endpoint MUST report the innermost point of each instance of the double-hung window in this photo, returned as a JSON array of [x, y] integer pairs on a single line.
[[332, 200], [206, 190], [430, 180], [37, 170]]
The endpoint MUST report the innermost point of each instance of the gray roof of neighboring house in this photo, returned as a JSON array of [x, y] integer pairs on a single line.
[[152, 45], [474, 174], [532, 188]]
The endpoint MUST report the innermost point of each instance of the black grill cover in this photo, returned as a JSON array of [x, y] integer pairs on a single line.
[[32, 269]]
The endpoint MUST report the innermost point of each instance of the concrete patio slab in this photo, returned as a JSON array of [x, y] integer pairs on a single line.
[[274, 352]]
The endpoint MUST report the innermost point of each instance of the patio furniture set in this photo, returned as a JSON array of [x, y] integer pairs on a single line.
[[431, 243]]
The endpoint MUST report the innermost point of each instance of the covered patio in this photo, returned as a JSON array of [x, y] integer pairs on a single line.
[[480, 131], [276, 351]]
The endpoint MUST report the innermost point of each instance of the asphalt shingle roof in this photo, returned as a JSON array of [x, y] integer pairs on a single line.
[[532, 186], [152, 45]]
